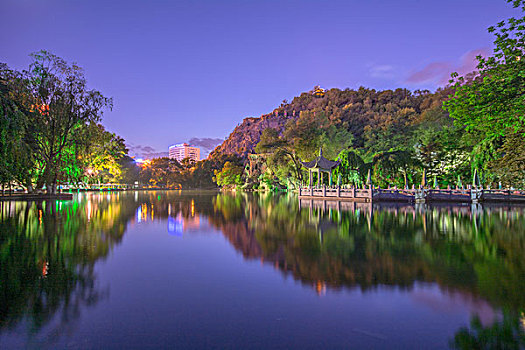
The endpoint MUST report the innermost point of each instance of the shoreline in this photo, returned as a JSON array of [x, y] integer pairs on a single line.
[[69, 195], [36, 197]]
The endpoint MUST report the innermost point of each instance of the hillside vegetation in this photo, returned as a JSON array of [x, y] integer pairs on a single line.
[[477, 123], [404, 128]]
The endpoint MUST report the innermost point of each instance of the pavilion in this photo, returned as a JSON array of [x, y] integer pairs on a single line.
[[321, 165]]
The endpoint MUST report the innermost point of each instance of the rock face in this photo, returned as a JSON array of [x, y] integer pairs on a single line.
[[246, 136]]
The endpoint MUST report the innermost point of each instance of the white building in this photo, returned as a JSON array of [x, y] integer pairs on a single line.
[[183, 150]]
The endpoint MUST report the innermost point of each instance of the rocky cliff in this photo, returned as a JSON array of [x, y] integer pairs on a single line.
[[246, 135]]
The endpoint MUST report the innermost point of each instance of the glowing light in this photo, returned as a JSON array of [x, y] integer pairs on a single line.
[[88, 210]]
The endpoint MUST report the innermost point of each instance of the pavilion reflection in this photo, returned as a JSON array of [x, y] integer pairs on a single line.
[[474, 253], [473, 249]]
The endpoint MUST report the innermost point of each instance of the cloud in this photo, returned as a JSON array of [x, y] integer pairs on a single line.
[[469, 61], [145, 152], [206, 143], [432, 72], [439, 72], [384, 71]]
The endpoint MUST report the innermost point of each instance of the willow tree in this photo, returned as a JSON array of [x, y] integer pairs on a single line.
[[16, 161], [281, 156], [396, 167], [62, 105], [351, 164]]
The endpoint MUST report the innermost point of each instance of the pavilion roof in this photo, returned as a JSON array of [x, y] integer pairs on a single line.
[[321, 163]]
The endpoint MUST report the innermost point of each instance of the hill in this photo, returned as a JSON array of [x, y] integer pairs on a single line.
[[365, 113]]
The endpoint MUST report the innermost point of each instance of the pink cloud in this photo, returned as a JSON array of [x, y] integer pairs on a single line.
[[469, 61], [430, 72], [439, 72]]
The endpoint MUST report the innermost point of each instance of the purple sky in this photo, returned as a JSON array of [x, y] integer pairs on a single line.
[[184, 69]]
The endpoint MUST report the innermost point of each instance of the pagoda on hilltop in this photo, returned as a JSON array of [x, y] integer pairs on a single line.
[[318, 91]]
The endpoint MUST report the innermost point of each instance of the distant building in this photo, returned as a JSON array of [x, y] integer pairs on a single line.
[[183, 150]]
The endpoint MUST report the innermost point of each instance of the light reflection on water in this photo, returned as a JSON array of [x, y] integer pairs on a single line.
[[348, 274]]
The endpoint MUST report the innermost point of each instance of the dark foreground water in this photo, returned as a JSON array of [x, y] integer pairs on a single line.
[[165, 270]]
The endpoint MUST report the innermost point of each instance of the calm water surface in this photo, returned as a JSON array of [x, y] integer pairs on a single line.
[[164, 269]]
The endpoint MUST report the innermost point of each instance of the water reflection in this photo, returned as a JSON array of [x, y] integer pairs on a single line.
[[47, 253], [472, 252], [360, 245], [475, 254]]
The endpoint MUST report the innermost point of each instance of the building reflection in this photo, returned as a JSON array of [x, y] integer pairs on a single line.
[[180, 224], [180, 213], [182, 218]]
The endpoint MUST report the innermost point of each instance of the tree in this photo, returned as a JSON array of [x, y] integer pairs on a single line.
[[61, 106], [130, 171], [510, 166], [282, 157], [229, 175], [101, 154], [349, 167], [490, 103], [16, 160], [318, 128], [161, 172], [394, 168], [493, 101]]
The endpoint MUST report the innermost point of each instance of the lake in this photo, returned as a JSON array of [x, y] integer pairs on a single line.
[[165, 269]]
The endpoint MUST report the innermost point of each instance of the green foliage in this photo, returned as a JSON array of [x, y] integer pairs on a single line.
[[360, 126], [165, 172], [161, 172], [490, 103], [280, 155], [16, 161], [54, 108], [229, 175], [394, 168], [104, 152], [349, 168], [509, 164], [506, 334], [315, 129], [493, 100]]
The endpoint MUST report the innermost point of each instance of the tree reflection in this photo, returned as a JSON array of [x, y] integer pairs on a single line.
[[464, 248], [468, 249], [47, 256], [48, 251], [473, 250], [508, 333]]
